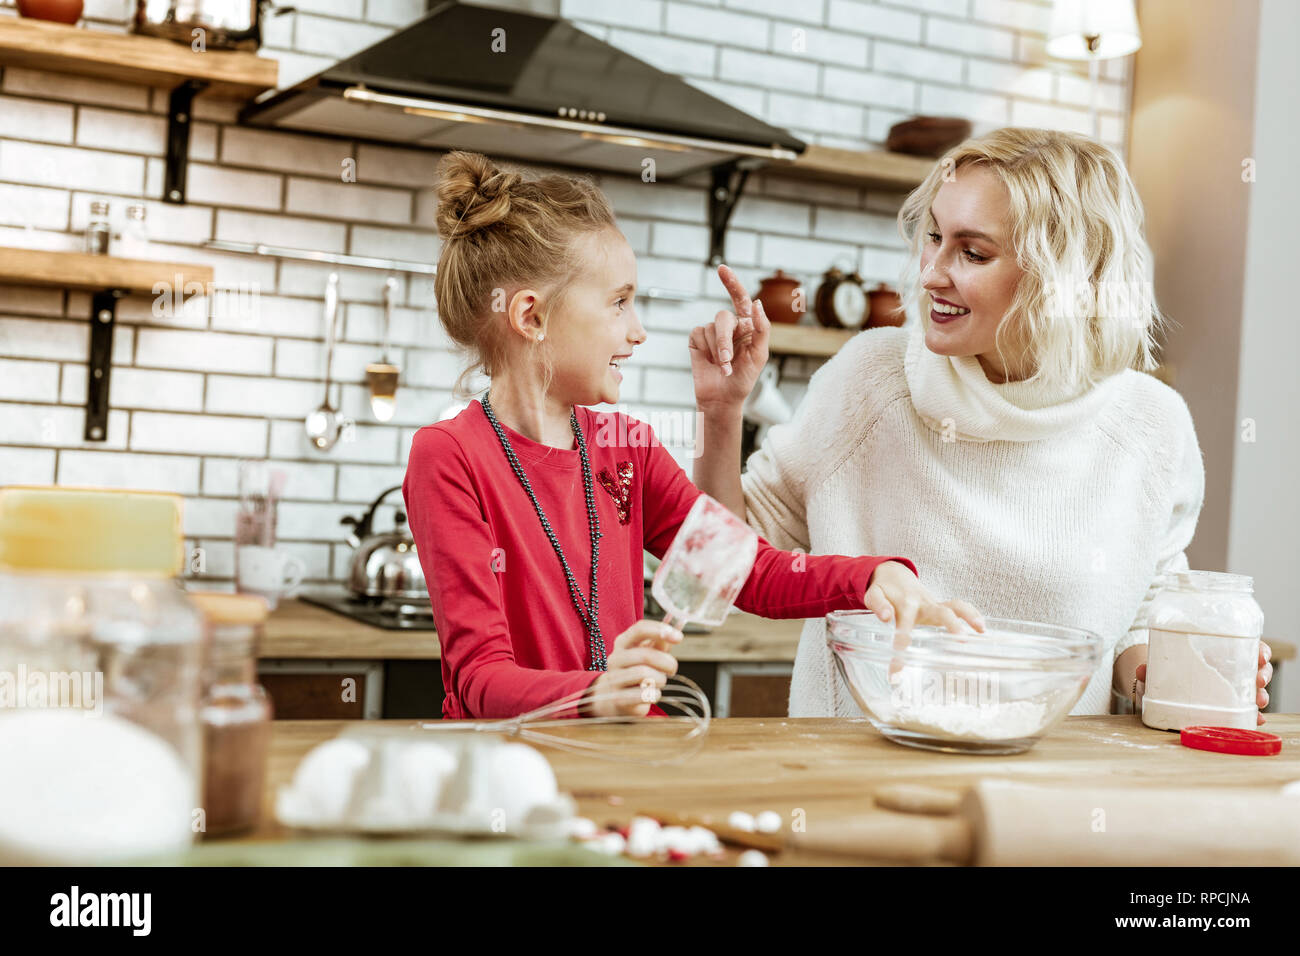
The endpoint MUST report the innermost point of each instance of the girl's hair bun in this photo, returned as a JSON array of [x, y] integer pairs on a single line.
[[499, 229], [473, 194]]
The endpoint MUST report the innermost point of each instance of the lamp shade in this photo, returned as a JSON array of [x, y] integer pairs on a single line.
[[1112, 22]]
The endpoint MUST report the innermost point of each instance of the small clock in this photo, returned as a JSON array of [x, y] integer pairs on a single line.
[[841, 301]]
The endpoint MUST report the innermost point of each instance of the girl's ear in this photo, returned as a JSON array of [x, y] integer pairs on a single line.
[[524, 313]]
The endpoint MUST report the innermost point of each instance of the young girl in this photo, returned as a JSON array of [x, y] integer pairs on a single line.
[[530, 511]]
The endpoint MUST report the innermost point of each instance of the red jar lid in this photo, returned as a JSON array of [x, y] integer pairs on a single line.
[[1231, 740]]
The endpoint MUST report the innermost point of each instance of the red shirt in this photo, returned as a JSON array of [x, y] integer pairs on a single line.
[[511, 638]]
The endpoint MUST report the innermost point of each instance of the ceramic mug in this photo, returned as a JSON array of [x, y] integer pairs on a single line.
[[268, 572], [766, 405]]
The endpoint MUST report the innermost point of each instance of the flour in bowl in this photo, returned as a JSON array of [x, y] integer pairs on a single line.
[[1010, 721], [960, 706]]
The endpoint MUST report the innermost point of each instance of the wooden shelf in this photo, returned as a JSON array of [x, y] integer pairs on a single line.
[[807, 340], [129, 58], [106, 278], [876, 168], [86, 272]]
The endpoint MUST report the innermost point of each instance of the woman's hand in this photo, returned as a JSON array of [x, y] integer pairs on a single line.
[[895, 594], [727, 356], [637, 670], [1262, 677]]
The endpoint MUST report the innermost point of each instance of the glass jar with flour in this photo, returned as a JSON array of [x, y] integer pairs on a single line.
[[1203, 655]]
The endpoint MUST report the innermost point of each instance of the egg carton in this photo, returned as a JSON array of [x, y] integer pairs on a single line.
[[390, 782]]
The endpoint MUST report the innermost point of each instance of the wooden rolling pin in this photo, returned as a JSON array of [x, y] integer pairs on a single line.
[[1001, 823]]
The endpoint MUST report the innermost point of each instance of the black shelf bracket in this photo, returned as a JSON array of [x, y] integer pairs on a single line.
[[728, 183], [179, 124], [103, 319]]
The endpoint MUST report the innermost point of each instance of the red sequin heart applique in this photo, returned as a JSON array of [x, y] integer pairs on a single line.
[[620, 491]]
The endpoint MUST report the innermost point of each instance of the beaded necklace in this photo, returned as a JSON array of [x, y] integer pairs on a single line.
[[587, 610]]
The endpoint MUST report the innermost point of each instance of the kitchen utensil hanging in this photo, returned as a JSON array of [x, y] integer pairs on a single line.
[[323, 425], [688, 719], [381, 377]]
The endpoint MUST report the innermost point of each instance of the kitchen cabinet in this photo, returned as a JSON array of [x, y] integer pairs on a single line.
[[307, 652]]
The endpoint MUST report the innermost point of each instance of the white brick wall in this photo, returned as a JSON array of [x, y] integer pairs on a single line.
[[233, 375]]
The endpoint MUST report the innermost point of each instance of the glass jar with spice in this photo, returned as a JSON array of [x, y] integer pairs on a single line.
[[235, 712], [98, 229]]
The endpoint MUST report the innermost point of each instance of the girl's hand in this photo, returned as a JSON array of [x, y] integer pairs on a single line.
[[895, 594], [727, 356], [637, 670], [1262, 677]]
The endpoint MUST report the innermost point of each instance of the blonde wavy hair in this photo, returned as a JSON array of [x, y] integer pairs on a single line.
[[500, 229], [1085, 308]]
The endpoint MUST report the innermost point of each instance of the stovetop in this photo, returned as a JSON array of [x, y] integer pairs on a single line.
[[418, 615], [390, 615]]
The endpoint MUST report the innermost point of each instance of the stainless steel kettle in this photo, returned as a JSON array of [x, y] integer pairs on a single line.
[[384, 566]]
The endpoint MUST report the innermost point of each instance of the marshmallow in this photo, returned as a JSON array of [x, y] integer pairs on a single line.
[[643, 837], [740, 820]]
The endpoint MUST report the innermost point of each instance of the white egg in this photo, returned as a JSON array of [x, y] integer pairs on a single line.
[[423, 768], [752, 858], [499, 781], [323, 784], [400, 786], [769, 821]]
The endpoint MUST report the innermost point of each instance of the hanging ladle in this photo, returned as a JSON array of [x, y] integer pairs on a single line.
[[323, 424], [382, 376]]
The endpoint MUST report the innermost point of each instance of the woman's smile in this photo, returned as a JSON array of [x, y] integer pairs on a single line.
[[942, 311]]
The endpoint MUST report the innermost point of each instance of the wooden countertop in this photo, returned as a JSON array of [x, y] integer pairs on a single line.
[[296, 630], [828, 768]]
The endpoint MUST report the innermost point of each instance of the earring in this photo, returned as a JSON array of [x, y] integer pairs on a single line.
[[540, 336]]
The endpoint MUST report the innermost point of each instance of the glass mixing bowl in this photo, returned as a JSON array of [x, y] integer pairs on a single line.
[[991, 693]]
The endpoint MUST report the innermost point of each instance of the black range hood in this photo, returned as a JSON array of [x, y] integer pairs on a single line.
[[530, 87]]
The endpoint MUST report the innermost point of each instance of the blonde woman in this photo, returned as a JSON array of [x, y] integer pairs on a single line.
[[1009, 442]]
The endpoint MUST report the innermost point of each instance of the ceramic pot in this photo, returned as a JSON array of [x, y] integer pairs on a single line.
[[776, 292], [886, 307], [56, 11]]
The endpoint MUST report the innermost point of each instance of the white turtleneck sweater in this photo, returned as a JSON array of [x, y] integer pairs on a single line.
[[1031, 506]]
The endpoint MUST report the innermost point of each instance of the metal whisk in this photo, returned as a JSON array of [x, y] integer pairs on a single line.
[[689, 725]]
